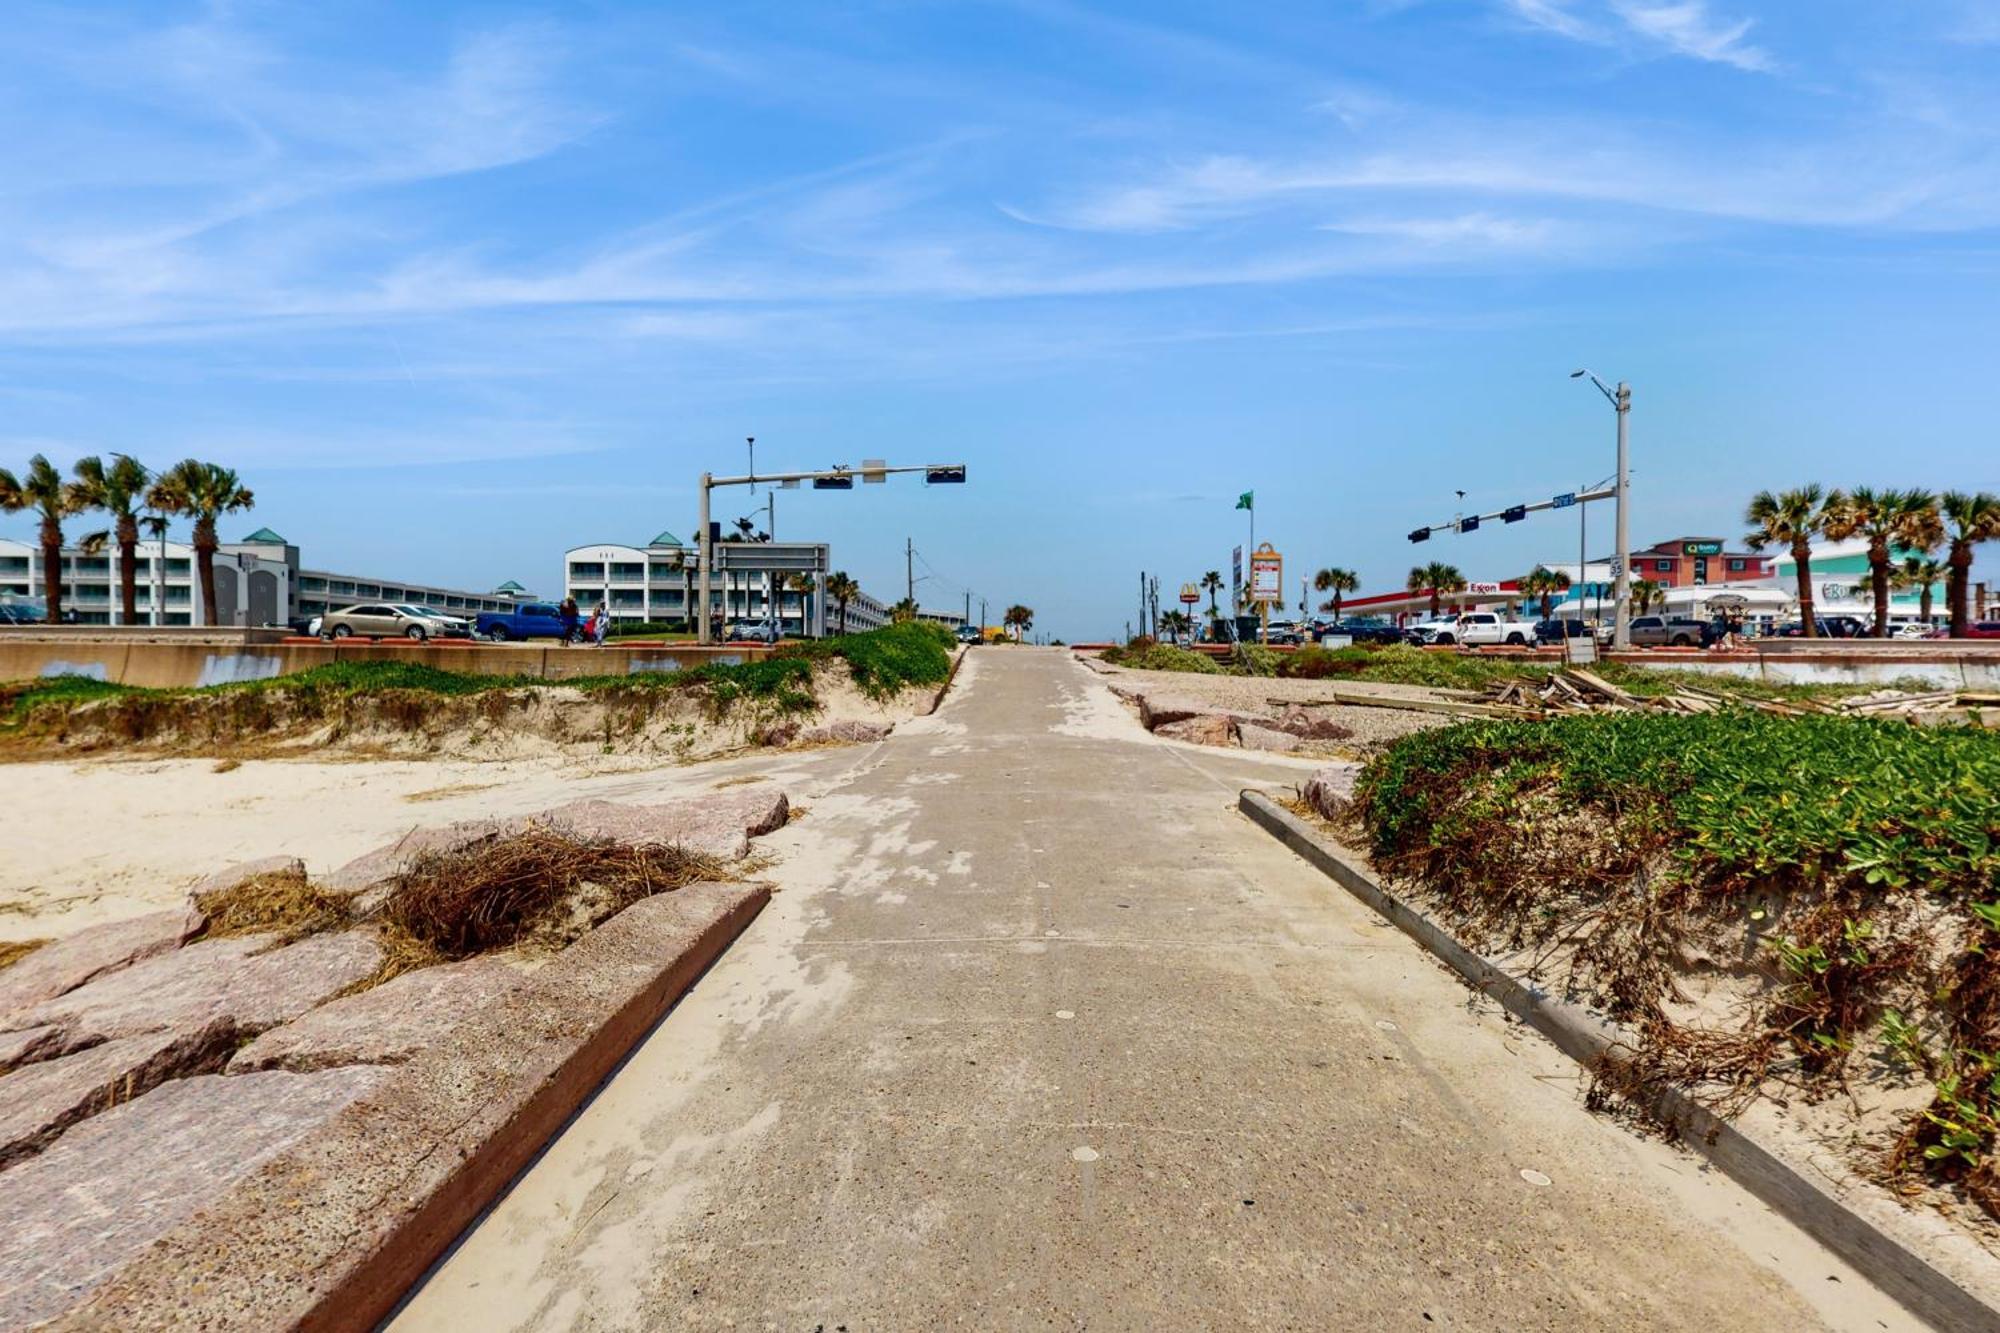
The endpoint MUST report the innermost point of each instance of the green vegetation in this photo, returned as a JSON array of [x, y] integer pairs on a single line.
[[910, 652], [1863, 854], [1143, 654]]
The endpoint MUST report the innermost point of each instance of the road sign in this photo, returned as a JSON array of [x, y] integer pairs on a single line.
[[1267, 575], [874, 471], [1514, 514], [1420, 534], [939, 476], [843, 482], [1190, 594], [1470, 523], [1565, 500], [1614, 566]]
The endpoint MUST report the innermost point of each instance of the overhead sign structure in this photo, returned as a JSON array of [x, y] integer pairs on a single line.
[[1267, 575], [1563, 501]]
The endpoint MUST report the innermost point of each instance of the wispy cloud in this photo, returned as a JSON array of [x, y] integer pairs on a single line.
[[1678, 27]]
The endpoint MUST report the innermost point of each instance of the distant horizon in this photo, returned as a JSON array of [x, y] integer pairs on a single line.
[[456, 290]]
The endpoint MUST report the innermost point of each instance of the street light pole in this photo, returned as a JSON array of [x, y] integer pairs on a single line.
[[1621, 610], [706, 555]]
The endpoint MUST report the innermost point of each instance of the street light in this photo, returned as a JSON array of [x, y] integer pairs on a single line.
[[1621, 403]]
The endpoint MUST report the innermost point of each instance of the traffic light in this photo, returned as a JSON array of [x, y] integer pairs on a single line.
[[1421, 535], [843, 482], [1470, 523], [1514, 514], [938, 476]]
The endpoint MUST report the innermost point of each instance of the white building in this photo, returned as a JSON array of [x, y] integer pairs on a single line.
[[258, 581], [654, 583]]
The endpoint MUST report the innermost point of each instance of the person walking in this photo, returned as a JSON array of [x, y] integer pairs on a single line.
[[570, 617], [600, 624]]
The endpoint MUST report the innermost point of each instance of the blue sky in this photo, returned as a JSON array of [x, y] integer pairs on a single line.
[[456, 287]]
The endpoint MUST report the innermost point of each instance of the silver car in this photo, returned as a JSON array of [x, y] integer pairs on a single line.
[[384, 620]]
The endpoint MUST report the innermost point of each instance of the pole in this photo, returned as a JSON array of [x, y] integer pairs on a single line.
[[982, 619], [705, 554], [966, 619], [910, 571], [1621, 635], [1582, 561]]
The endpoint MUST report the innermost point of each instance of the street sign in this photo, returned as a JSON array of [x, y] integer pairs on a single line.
[[1267, 575], [1190, 594], [1514, 514], [1614, 566], [1470, 523], [874, 471], [939, 476], [843, 482], [1420, 534], [1565, 500]]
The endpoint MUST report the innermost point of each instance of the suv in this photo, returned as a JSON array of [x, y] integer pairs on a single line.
[[1366, 631], [752, 631], [380, 620], [1671, 632], [1555, 631], [1825, 627]]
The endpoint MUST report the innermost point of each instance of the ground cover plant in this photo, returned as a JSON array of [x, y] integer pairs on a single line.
[[1842, 875], [1147, 654]]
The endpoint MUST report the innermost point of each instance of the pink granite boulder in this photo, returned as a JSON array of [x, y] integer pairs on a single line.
[[94, 1200], [241, 979], [1205, 729], [1253, 737], [1305, 726], [39, 1102], [386, 1025], [717, 823], [61, 966], [1329, 790]]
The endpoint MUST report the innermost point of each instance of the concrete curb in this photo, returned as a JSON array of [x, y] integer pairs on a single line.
[[331, 1234], [1937, 1274], [951, 677]]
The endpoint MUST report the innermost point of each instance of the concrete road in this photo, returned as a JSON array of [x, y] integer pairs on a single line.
[[1039, 1032]]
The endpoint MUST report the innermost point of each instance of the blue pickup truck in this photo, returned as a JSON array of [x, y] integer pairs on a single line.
[[529, 620]]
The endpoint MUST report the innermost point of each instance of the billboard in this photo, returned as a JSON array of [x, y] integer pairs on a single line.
[[1267, 575]]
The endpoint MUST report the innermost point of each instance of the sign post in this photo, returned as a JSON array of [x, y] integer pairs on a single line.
[[1267, 582]]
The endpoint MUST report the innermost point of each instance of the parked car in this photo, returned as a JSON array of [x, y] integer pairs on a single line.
[[752, 631], [22, 613], [1486, 628], [529, 620], [1427, 632], [1363, 630], [381, 620], [1556, 631], [1828, 627], [1671, 632], [1978, 629], [969, 634], [448, 625], [1283, 633]]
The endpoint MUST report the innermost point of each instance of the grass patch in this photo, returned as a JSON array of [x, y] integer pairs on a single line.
[[886, 660], [1857, 861], [283, 902], [1149, 656]]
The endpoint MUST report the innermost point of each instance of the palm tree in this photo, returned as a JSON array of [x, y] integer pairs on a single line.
[[1903, 518], [1176, 623], [1644, 593], [904, 610], [1922, 573], [1544, 583], [1020, 619], [203, 492], [1336, 581], [1793, 518], [119, 490], [804, 586], [1212, 582], [41, 489], [1972, 519], [842, 588], [1438, 579]]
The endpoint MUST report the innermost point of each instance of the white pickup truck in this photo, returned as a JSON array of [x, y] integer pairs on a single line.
[[1481, 628]]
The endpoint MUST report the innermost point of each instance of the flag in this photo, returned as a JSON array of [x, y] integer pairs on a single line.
[[1247, 500]]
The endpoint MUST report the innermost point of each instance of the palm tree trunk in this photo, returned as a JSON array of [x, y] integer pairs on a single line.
[[1878, 573], [204, 558], [128, 578], [843, 615], [1437, 604], [1802, 557], [1924, 603], [52, 571], [1955, 586]]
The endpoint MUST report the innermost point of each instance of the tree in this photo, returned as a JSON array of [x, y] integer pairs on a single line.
[[1176, 622], [119, 490], [804, 586], [1336, 581], [1793, 519], [1544, 583], [1020, 619], [1212, 582], [1888, 517], [904, 610], [203, 492], [41, 489], [843, 589], [1921, 572], [1644, 593], [1437, 579], [1969, 520]]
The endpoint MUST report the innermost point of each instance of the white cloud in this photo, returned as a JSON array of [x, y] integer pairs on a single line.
[[1556, 17], [1687, 28]]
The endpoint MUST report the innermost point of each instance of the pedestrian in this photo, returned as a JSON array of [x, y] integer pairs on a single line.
[[600, 624], [570, 617]]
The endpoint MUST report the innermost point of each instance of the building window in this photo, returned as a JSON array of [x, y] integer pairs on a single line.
[[663, 572], [627, 572], [174, 567], [1736, 566], [585, 571]]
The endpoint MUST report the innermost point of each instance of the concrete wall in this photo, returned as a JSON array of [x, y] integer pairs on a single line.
[[1966, 665], [176, 664]]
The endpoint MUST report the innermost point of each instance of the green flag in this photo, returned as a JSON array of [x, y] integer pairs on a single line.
[[1246, 500]]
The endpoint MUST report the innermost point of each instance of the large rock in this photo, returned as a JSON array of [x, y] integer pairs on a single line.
[[61, 966], [27, 1044], [1160, 710], [39, 1102], [1253, 737], [77, 1214], [211, 979], [1206, 729], [385, 1025], [370, 869], [1329, 790]]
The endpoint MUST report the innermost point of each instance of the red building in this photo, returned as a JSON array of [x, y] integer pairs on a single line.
[[1695, 562]]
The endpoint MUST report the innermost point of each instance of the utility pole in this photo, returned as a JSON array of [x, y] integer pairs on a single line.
[[982, 618], [1622, 631], [966, 619], [706, 555], [910, 571]]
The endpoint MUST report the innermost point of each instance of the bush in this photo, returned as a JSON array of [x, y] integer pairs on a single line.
[[910, 652], [1253, 659]]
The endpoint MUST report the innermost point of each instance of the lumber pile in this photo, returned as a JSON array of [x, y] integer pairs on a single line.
[[1578, 691]]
